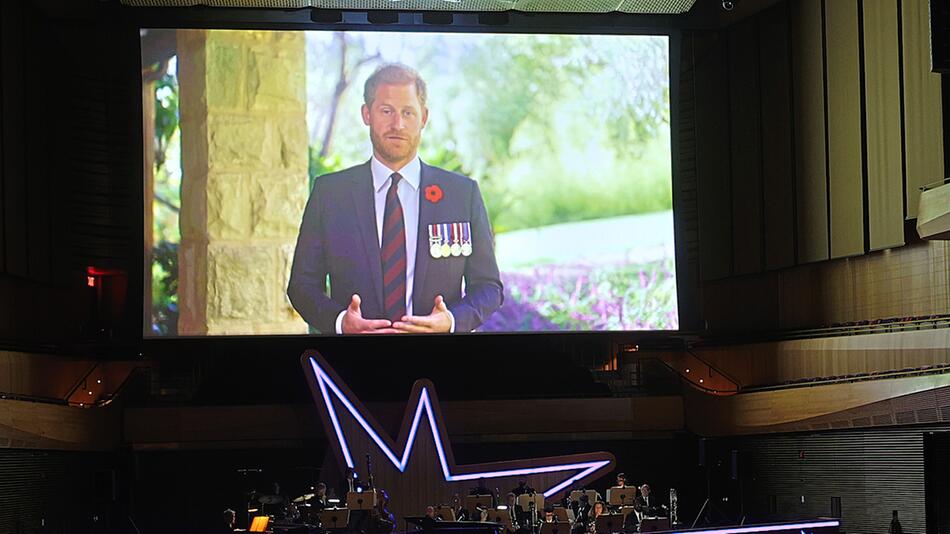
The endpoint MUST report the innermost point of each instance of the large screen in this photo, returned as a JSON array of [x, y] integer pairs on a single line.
[[357, 182]]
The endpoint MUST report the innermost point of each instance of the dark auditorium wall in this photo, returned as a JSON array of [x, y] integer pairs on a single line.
[[58, 491], [873, 471], [832, 121], [69, 169]]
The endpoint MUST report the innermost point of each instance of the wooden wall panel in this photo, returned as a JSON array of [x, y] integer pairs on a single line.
[[778, 180], [745, 136], [811, 180], [712, 155], [883, 125], [923, 109], [845, 160]]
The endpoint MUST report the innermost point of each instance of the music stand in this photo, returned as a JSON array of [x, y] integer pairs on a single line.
[[444, 512], [474, 501], [563, 515], [626, 496], [502, 516], [627, 510], [365, 500], [654, 524], [333, 518], [525, 500], [592, 496], [607, 523], [556, 527]]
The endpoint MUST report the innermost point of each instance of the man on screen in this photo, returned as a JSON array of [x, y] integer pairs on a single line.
[[396, 237]]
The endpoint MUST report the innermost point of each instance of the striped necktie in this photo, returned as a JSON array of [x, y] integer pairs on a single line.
[[393, 254]]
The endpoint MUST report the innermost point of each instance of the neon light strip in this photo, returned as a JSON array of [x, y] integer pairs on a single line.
[[767, 528], [324, 381]]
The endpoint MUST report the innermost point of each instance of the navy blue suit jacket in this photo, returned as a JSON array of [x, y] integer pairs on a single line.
[[338, 237]]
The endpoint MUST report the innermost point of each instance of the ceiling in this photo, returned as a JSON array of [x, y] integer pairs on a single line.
[[666, 7]]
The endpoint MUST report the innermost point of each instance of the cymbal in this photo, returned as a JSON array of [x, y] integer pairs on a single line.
[[305, 497], [270, 499]]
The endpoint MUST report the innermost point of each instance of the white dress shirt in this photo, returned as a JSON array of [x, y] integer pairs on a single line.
[[408, 192]]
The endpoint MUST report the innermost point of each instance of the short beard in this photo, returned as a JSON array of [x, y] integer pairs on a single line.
[[380, 148]]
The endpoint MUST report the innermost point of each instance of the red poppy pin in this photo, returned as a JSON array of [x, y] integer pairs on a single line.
[[433, 193]]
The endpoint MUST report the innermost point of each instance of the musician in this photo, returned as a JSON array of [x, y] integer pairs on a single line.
[[548, 514], [320, 500], [523, 487], [515, 511], [482, 489], [621, 480], [581, 514], [226, 525], [647, 504], [599, 509], [428, 522]]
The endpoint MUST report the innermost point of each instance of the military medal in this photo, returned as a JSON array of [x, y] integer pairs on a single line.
[[446, 249], [456, 247], [435, 247], [466, 247]]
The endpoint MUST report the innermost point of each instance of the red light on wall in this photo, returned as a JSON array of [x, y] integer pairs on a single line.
[[91, 281]]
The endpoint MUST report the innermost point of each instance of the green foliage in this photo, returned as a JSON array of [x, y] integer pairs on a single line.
[[166, 115], [166, 206], [165, 289], [319, 166]]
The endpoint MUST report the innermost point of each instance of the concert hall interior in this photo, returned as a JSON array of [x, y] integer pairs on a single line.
[[687, 266]]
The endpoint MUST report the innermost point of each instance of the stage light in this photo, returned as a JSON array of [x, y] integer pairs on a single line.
[[700, 380], [91, 281], [98, 381], [687, 370]]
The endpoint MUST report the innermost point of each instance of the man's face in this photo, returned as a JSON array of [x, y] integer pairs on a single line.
[[395, 119], [621, 481], [645, 490], [430, 511]]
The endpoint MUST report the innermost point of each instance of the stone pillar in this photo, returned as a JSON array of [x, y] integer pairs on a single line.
[[244, 179]]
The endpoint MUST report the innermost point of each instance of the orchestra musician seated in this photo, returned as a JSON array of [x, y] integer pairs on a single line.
[[599, 509], [581, 514], [649, 505], [523, 487]]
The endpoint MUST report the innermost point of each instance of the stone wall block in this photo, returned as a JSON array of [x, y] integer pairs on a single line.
[[241, 281], [277, 207], [292, 146], [237, 143], [276, 78], [225, 75], [229, 207]]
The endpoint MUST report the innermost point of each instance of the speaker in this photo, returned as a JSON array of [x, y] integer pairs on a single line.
[[940, 36], [382, 17], [438, 17]]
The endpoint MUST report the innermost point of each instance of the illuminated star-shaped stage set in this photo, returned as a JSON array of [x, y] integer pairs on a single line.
[[422, 470]]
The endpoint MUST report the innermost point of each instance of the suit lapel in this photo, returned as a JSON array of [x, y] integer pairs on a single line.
[[364, 202], [426, 217]]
